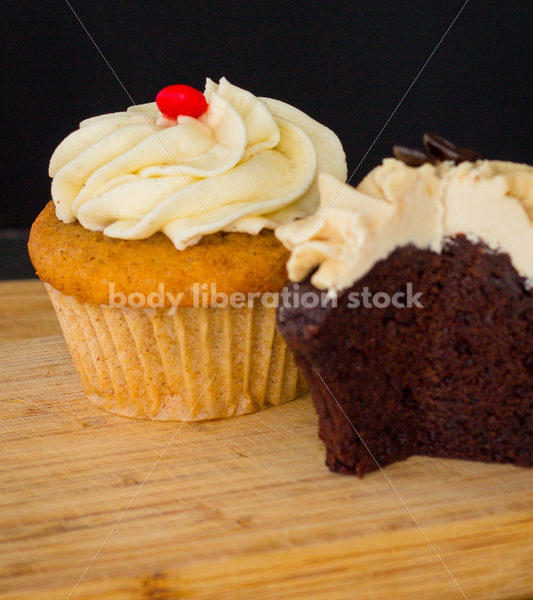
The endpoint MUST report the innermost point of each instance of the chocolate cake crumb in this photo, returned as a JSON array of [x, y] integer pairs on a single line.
[[453, 379]]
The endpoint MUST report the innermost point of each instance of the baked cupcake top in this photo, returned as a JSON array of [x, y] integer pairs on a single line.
[[397, 204], [245, 164]]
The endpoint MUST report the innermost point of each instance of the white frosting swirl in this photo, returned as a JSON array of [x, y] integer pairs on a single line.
[[397, 205], [246, 164]]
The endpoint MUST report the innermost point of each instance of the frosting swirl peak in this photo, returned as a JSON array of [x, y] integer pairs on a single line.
[[245, 164]]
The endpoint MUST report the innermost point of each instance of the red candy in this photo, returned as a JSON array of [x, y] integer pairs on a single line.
[[180, 99]]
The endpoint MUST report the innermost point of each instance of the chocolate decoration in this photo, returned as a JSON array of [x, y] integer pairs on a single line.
[[442, 149], [437, 149], [410, 156]]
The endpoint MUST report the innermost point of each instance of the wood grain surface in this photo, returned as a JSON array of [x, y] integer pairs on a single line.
[[240, 508], [26, 311]]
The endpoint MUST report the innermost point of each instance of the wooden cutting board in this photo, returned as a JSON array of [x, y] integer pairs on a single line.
[[103, 507]]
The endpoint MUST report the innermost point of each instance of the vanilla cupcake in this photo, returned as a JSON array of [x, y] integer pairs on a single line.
[[158, 250]]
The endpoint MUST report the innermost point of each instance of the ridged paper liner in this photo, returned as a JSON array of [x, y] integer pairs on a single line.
[[146, 362]]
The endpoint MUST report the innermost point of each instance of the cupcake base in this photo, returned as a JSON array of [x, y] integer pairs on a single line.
[[185, 364], [450, 377]]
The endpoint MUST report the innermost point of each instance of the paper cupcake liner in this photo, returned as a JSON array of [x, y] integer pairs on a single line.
[[149, 363]]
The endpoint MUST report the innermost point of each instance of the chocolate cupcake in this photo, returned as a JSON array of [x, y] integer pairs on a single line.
[[422, 342]]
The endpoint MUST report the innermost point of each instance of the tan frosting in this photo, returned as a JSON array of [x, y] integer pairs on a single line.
[[246, 164], [397, 205]]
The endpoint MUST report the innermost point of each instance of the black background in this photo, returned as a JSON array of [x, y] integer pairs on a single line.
[[347, 64]]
